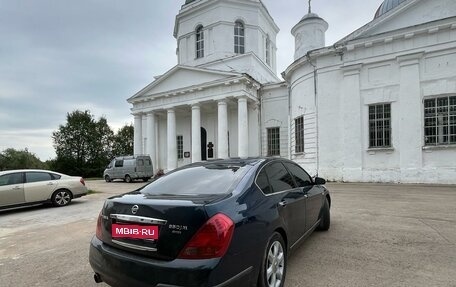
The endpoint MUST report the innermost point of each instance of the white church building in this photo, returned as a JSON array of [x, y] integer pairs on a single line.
[[377, 106]]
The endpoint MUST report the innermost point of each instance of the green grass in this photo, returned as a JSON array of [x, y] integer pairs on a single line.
[[91, 191], [93, 178]]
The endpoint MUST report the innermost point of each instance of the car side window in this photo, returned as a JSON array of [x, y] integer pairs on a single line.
[[279, 177], [10, 179], [119, 163], [263, 182], [55, 176], [147, 162], [301, 177], [37, 177], [129, 162]]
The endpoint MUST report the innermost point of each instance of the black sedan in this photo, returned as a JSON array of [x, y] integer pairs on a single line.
[[217, 223]]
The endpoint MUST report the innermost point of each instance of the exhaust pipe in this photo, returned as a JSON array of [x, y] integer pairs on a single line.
[[97, 278]]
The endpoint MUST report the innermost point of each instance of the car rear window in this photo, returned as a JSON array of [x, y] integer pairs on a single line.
[[198, 180]]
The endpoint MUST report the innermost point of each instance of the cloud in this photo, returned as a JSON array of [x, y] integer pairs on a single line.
[[59, 56], [37, 141]]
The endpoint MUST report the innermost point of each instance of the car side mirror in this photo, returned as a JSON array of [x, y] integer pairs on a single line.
[[319, 181]]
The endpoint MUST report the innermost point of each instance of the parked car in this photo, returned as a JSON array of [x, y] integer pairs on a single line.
[[30, 186], [129, 168], [217, 223]]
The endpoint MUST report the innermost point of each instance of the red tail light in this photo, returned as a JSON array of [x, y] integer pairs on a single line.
[[212, 239], [99, 223], [82, 181]]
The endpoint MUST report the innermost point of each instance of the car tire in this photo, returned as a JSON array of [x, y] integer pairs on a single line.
[[128, 179], [274, 264], [61, 197], [325, 217], [145, 179], [107, 178]]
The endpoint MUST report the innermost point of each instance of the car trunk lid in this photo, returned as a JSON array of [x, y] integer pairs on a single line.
[[156, 226]]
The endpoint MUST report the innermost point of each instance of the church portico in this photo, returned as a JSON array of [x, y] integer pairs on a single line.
[[197, 124]]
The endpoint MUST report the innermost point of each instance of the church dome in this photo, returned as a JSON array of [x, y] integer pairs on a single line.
[[386, 6]]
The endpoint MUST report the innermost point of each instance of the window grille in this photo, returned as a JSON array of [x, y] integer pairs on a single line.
[[380, 126], [273, 141], [299, 134], [268, 51], [239, 38], [199, 42], [180, 147], [440, 121]]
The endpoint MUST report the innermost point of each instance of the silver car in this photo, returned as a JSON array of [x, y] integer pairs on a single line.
[[24, 187]]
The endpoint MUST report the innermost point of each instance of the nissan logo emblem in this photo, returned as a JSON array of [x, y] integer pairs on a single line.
[[134, 209]]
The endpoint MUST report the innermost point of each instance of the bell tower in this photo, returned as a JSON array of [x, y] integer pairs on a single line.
[[309, 33], [208, 31]]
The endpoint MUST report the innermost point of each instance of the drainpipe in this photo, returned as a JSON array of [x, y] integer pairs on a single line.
[[315, 78], [290, 151], [260, 119], [289, 123]]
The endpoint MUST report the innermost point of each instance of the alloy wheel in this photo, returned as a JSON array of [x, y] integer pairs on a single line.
[[275, 264], [62, 198]]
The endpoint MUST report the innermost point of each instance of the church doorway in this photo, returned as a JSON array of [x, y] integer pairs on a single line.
[[203, 144]]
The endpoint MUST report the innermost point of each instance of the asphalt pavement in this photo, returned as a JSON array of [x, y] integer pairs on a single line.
[[380, 235]]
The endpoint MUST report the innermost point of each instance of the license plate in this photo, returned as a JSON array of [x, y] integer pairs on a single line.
[[134, 231]]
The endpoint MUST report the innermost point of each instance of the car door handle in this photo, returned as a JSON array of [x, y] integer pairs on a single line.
[[51, 183], [16, 187], [283, 203]]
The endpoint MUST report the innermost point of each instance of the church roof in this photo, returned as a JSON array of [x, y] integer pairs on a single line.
[[189, 1], [386, 6], [310, 16]]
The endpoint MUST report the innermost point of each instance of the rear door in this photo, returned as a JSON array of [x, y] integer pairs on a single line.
[[148, 168], [291, 200], [140, 168], [312, 192], [117, 171], [12, 189], [38, 186], [129, 167]]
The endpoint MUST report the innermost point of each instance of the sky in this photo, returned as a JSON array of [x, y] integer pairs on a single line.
[[58, 56]]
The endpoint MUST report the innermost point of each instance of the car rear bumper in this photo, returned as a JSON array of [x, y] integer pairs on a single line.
[[120, 268], [79, 191]]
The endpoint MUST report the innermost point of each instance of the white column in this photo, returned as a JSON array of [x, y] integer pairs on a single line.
[[222, 138], [138, 138], [243, 128], [151, 147], [196, 133], [410, 125], [172, 141], [352, 130]]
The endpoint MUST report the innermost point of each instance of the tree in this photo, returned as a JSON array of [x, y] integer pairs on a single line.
[[83, 145], [19, 159], [123, 141]]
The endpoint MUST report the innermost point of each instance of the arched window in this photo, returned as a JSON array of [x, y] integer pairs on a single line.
[[199, 42], [268, 50], [239, 38]]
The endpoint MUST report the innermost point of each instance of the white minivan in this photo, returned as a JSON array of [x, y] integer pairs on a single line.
[[129, 168]]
